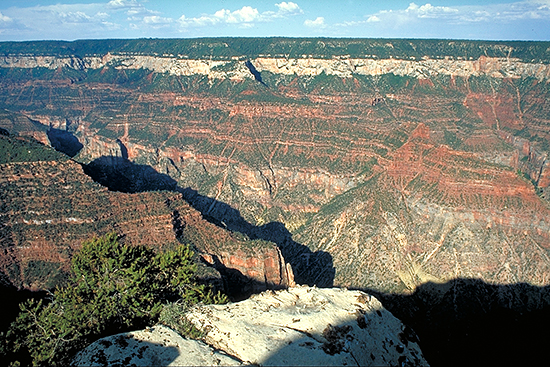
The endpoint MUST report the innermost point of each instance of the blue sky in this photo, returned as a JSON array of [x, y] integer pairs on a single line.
[[461, 19]]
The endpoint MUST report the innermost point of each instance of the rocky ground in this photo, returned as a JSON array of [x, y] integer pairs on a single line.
[[301, 326]]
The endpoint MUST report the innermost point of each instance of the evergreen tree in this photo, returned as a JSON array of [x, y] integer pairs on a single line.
[[112, 288]]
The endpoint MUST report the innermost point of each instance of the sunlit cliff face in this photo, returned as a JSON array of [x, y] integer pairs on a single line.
[[403, 168]]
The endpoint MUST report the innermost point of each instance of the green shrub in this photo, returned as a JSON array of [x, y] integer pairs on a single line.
[[173, 316], [112, 287]]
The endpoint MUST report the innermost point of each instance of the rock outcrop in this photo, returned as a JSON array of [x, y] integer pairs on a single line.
[[306, 66], [155, 346], [50, 206], [301, 326]]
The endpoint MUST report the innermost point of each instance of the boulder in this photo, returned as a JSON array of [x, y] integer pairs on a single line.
[[156, 346], [294, 327]]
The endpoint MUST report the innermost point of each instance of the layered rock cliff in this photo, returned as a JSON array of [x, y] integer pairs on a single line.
[[50, 206], [419, 160], [380, 164], [342, 66]]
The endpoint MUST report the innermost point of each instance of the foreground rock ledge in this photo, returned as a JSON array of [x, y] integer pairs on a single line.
[[298, 326], [156, 346]]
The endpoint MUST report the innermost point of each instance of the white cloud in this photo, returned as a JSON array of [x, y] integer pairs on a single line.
[[505, 12], [59, 15], [198, 22], [58, 21], [243, 17], [75, 17], [412, 7], [476, 16], [5, 19], [141, 11], [424, 20], [155, 19], [122, 4], [246, 25], [430, 11], [151, 22], [66, 20], [289, 8], [319, 22], [133, 9]]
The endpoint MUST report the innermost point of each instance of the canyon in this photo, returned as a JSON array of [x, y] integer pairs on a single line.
[[40, 233], [381, 165]]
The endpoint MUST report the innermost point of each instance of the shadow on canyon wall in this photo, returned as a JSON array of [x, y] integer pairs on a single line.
[[120, 174], [257, 75], [464, 322], [64, 141], [11, 298], [461, 322], [467, 322], [311, 268]]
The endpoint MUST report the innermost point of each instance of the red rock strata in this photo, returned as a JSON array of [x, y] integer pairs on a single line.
[[51, 207], [401, 171]]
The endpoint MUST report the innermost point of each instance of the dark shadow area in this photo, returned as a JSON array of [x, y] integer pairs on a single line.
[[238, 286], [120, 174], [11, 298], [120, 350], [467, 322], [123, 149], [311, 268], [64, 141], [254, 71]]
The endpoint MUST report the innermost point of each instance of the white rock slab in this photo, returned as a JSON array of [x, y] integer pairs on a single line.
[[156, 346], [309, 326]]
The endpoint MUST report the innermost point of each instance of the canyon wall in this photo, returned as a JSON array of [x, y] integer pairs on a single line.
[[236, 69], [50, 206], [401, 162], [415, 169]]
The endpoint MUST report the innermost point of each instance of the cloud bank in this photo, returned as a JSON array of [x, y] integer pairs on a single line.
[[125, 18], [243, 16], [527, 19]]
